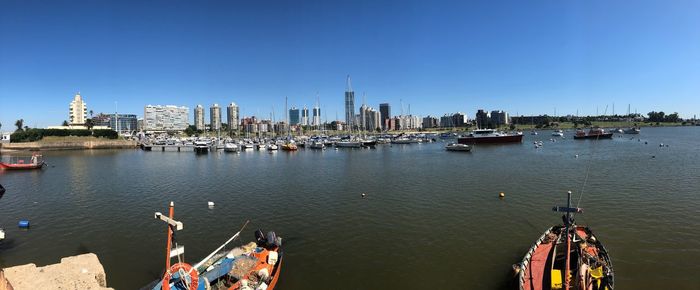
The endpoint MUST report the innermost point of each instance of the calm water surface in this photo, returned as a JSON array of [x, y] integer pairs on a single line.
[[432, 219]]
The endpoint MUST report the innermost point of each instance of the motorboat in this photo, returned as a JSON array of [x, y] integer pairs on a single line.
[[458, 147], [272, 147], [490, 136], [348, 144], [231, 147], [593, 133], [558, 133]]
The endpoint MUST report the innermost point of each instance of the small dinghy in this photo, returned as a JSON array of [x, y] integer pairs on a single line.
[[567, 256]]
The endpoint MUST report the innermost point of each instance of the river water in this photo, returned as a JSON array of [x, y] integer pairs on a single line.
[[431, 219]]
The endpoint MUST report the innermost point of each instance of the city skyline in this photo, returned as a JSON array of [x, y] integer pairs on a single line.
[[523, 58]]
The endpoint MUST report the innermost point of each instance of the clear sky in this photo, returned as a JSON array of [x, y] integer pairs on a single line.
[[525, 57]]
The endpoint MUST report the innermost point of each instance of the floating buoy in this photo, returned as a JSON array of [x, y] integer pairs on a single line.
[[653, 156], [502, 195], [576, 155], [23, 224], [364, 195], [210, 204]]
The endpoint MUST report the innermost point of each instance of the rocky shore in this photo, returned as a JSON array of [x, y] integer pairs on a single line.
[[76, 272]]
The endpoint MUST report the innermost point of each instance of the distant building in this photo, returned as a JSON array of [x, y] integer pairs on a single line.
[[430, 122], [499, 118], [199, 118], [232, 116], [123, 123], [305, 116], [77, 111], [349, 104], [385, 114], [369, 119], [294, 116], [454, 120], [530, 120], [483, 119], [165, 118], [215, 117], [316, 121]]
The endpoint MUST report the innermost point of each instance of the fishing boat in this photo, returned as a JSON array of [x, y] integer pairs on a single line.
[[490, 136], [458, 147], [21, 163], [255, 265], [593, 133], [567, 256]]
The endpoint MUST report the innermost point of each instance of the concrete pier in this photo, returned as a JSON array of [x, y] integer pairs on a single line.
[[76, 272]]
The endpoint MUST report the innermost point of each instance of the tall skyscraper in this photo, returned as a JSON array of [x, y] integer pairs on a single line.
[[199, 117], [77, 113], [165, 118], [232, 116], [385, 112], [215, 116], [294, 116], [349, 104], [316, 121], [305, 116]]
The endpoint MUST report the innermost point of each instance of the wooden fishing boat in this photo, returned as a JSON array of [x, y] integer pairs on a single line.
[[256, 265], [19, 163], [567, 256]]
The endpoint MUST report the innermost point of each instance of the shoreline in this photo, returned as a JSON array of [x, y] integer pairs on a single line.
[[67, 143]]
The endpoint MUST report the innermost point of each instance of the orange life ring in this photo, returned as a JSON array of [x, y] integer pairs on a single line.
[[176, 268]]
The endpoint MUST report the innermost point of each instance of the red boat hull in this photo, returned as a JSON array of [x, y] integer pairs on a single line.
[[490, 139], [10, 166]]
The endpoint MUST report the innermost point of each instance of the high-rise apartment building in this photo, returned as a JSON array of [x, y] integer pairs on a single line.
[[165, 118], [77, 112], [349, 104], [305, 116], [316, 121], [215, 117], [199, 118], [232, 116]]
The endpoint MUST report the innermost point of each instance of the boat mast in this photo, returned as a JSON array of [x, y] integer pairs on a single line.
[[568, 222]]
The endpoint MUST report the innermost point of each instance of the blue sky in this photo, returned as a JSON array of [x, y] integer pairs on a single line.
[[526, 57]]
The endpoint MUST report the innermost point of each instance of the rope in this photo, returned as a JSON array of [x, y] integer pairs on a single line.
[[588, 167]]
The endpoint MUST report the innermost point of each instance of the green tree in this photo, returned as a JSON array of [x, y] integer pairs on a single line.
[[19, 123], [65, 123], [90, 113], [89, 124]]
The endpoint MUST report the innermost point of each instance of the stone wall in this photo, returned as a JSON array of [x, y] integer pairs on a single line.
[[68, 145], [77, 272]]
